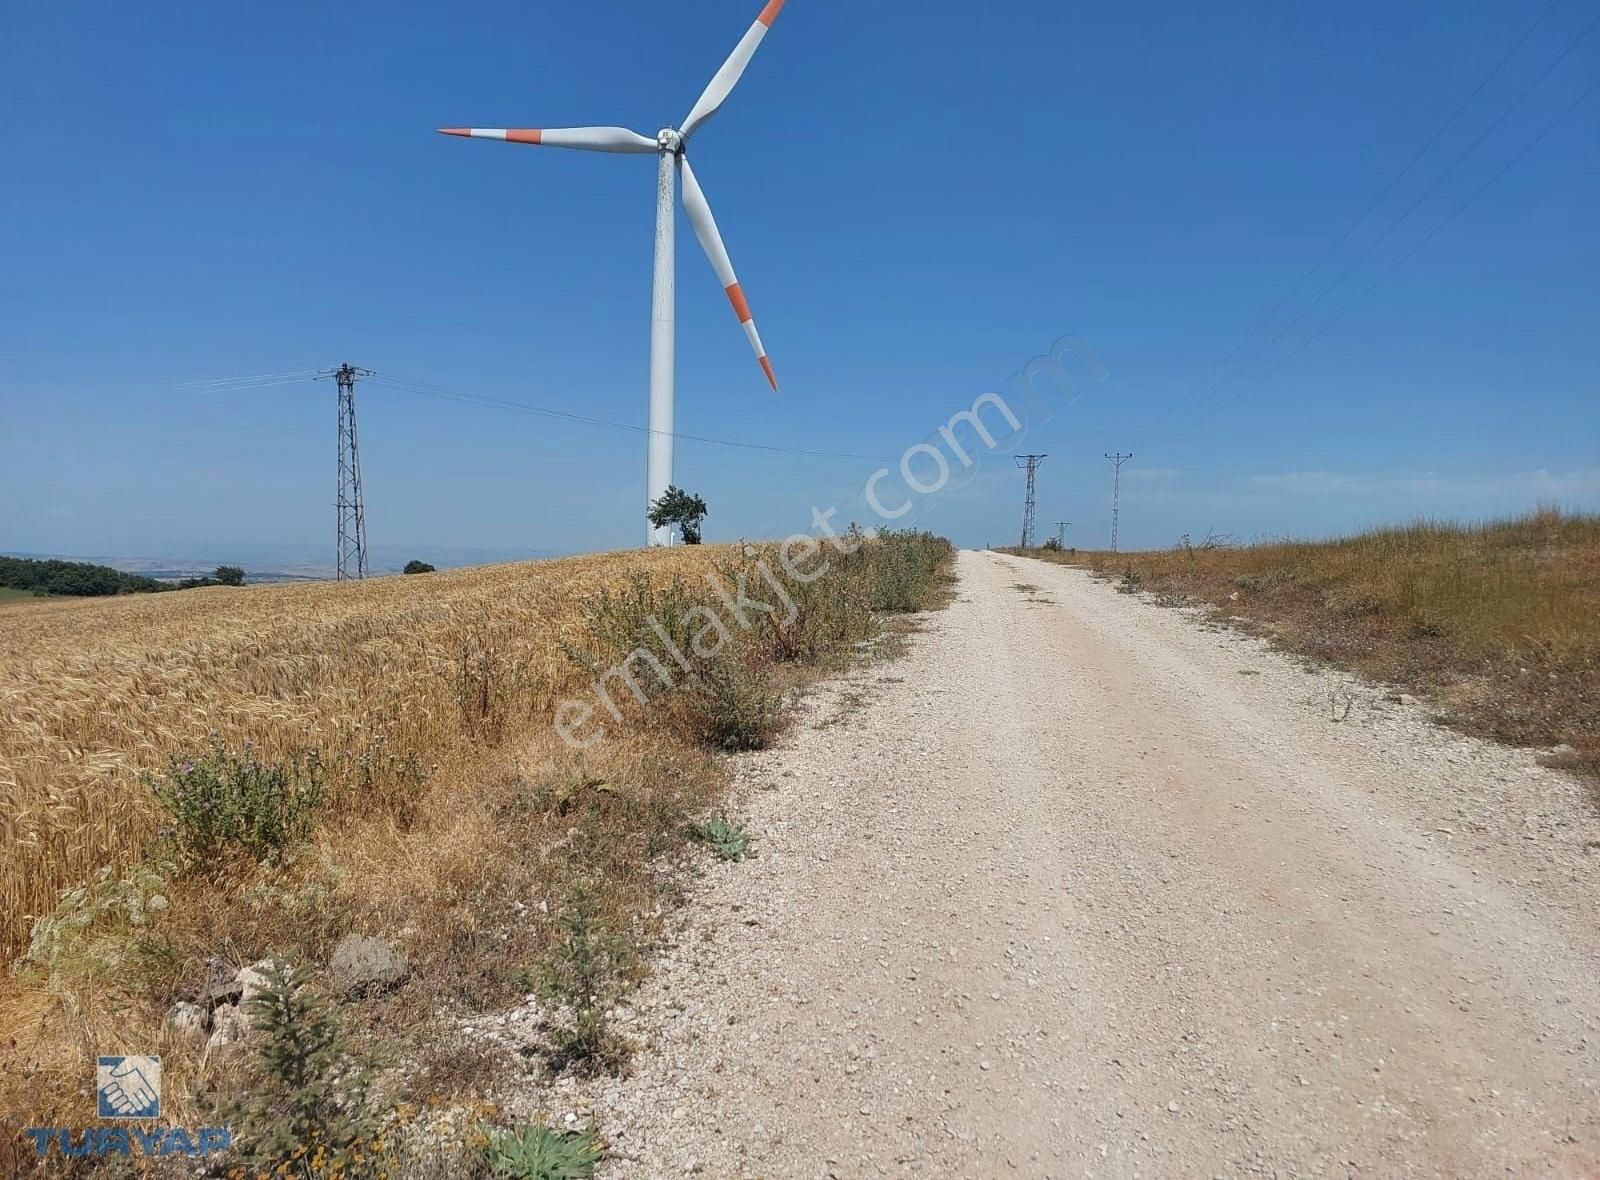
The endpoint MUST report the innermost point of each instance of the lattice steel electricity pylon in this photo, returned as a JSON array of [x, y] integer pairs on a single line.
[[1031, 463], [1116, 493], [352, 554]]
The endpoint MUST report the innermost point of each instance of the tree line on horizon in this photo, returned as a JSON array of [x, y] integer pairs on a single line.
[[54, 578]]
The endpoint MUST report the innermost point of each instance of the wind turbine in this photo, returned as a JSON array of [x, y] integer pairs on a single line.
[[669, 145]]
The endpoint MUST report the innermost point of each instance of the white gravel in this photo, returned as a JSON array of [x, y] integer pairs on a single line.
[[1084, 888]]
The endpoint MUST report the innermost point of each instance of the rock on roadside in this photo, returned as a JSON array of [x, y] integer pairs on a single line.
[[365, 966]]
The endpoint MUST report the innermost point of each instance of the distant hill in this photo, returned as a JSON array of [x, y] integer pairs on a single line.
[[72, 578]]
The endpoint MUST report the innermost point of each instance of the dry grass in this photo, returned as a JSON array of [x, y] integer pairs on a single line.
[[1498, 624], [388, 679], [450, 801], [455, 821]]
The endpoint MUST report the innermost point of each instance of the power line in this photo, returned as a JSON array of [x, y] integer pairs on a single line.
[[1410, 209], [1394, 225], [1459, 209], [429, 389], [1376, 201], [241, 386], [217, 382], [420, 388]]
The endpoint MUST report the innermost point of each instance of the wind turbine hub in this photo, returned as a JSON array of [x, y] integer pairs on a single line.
[[669, 139]]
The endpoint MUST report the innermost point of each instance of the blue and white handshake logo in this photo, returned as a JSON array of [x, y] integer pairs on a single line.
[[128, 1087]]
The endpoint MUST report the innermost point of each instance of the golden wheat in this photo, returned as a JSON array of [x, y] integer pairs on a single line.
[[95, 693]]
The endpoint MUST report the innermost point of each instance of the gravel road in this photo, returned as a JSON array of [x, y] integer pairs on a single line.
[[1086, 887]]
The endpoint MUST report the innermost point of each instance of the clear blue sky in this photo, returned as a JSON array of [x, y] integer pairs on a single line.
[[918, 200]]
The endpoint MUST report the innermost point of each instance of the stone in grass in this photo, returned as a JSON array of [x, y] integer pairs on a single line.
[[221, 986], [252, 981], [230, 1030], [366, 966], [187, 1023]]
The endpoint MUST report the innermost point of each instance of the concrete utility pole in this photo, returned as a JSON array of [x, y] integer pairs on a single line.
[[1061, 533], [352, 512], [1116, 493], [1031, 463]]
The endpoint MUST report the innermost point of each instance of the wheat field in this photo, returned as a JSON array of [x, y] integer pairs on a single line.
[[387, 679]]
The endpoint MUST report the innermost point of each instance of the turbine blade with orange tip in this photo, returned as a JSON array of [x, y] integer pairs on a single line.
[[725, 79], [588, 139], [705, 228]]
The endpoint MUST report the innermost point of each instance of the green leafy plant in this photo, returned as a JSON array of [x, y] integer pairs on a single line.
[[733, 703], [728, 841], [536, 1152], [307, 1106], [100, 929], [223, 802], [904, 569], [726, 700], [586, 974], [712, 669]]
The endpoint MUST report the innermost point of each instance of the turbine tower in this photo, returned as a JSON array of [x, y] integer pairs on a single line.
[[669, 146]]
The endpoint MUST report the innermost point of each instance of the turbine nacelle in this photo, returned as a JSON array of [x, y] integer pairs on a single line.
[[668, 142]]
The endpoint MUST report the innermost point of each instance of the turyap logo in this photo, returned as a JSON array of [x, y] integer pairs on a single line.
[[129, 1088]]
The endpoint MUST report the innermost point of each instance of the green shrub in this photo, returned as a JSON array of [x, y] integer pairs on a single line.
[[832, 613], [727, 701], [732, 704], [586, 974], [728, 841], [732, 700], [905, 568], [223, 802], [538, 1153]]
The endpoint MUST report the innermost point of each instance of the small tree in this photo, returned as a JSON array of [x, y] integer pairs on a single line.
[[418, 567], [307, 1104], [229, 575], [678, 507]]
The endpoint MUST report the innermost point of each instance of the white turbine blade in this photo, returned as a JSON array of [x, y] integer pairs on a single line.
[[727, 77], [705, 228], [588, 139]]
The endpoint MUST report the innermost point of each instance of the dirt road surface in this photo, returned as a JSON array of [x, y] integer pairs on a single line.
[[1083, 887]]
